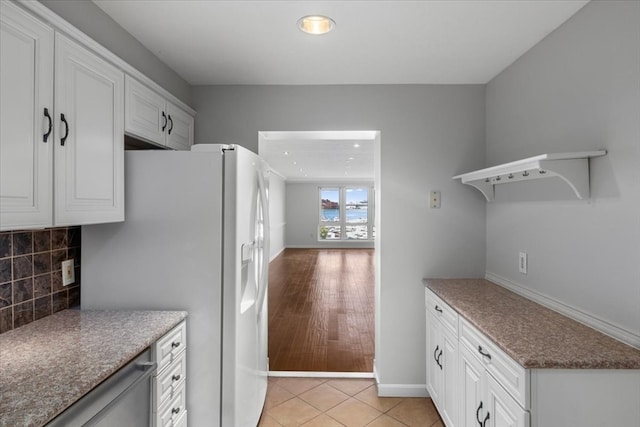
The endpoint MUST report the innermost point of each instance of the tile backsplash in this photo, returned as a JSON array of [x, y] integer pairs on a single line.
[[31, 274]]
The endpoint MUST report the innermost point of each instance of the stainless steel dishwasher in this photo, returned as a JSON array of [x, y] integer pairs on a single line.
[[123, 399]]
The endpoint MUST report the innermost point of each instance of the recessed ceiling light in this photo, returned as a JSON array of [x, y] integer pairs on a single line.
[[316, 24], [356, 145], [286, 153], [295, 163]]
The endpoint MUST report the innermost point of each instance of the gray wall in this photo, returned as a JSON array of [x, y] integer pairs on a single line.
[[579, 89], [302, 213], [91, 20], [277, 197], [428, 134]]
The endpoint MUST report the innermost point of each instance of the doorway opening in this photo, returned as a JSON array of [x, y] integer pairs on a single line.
[[324, 271]]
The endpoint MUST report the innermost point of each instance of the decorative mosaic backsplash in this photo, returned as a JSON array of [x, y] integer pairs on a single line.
[[31, 274]]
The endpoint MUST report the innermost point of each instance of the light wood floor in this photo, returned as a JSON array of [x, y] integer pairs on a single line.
[[321, 307]]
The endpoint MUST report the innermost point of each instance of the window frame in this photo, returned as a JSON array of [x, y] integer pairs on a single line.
[[343, 223]]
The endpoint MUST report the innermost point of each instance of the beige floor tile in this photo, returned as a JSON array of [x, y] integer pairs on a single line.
[[323, 421], [370, 396], [299, 385], [276, 395], [353, 413], [268, 421], [323, 397], [293, 412], [385, 421], [415, 412], [351, 386], [438, 423]]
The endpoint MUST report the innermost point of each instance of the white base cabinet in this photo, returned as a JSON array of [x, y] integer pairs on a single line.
[[490, 389], [169, 400], [442, 358]]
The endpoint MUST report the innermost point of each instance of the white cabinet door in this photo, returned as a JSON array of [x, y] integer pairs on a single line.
[[89, 146], [449, 390], [502, 409], [434, 349], [471, 373], [26, 88], [145, 114], [179, 129]]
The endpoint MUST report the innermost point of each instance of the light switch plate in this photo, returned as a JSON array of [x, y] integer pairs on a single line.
[[68, 272]]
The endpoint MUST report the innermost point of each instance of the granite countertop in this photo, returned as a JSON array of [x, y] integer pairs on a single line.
[[533, 335], [49, 364]]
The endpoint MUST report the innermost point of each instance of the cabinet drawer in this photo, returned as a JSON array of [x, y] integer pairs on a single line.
[[171, 411], [167, 348], [442, 312], [512, 376], [167, 382]]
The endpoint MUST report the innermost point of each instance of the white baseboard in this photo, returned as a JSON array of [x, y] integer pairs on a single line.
[[399, 390], [576, 314], [276, 255], [315, 374], [402, 390]]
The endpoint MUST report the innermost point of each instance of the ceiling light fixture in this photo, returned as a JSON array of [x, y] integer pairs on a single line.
[[356, 145], [286, 153], [316, 24]]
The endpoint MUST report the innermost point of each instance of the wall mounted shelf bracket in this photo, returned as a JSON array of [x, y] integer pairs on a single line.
[[572, 168]]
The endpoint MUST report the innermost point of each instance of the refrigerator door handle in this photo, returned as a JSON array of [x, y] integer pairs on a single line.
[[263, 280]]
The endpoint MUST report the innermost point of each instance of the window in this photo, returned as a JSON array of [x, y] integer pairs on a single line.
[[345, 213]]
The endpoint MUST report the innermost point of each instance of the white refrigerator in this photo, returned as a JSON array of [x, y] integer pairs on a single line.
[[195, 238]]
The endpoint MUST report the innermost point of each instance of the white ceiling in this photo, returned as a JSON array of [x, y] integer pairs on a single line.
[[211, 42], [320, 156], [374, 42]]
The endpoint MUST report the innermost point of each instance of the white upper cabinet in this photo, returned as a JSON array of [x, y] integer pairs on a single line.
[[26, 120], [61, 158], [89, 148], [179, 128], [151, 117]]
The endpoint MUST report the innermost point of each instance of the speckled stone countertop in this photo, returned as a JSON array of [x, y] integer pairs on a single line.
[[533, 335], [49, 364]]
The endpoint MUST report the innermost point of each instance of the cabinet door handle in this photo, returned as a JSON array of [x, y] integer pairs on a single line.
[[484, 353], [485, 420], [175, 410], [175, 344], [66, 129], [478, 414], [170, 124], [164, 121], [435, 353], [175, 377], [438, 360], [438, 309], [45, 137]]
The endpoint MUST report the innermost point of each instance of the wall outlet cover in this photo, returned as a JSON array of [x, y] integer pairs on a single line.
[[68, 272], [522, 262]]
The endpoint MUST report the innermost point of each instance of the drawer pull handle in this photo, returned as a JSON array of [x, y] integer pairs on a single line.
[[478, 414], [485, 420], [438, 309], [484, 353], [175, 344], [175, 410], [175, 377]]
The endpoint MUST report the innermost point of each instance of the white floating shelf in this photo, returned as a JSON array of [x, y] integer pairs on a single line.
[[572, 168]]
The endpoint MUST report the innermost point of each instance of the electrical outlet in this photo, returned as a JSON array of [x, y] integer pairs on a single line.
[[68, 273], [434, 199], [522, 262]]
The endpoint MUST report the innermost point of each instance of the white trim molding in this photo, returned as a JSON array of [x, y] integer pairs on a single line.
[[316, 374], [576, 314], [402, 390]]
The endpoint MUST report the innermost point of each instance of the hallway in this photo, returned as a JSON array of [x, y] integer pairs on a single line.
[[321, 310]]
